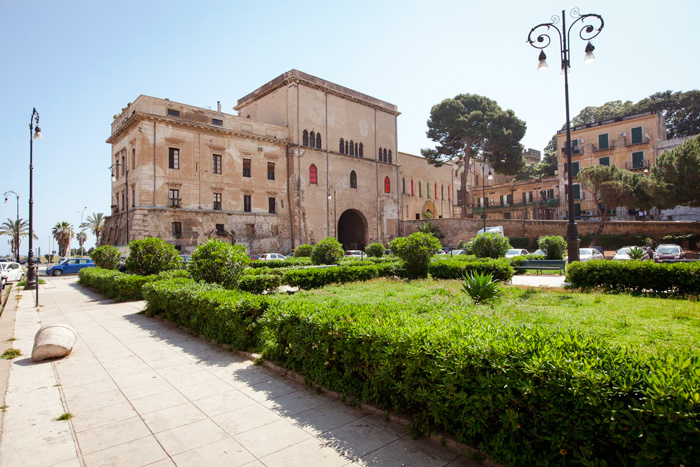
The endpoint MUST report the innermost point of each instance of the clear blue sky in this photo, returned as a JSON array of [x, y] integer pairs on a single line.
[[80, 62]]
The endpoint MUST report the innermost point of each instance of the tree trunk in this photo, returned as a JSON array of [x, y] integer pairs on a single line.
[[600, 228], [463, 189]]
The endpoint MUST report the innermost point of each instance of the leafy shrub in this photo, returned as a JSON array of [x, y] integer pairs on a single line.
[[151, 256], [218, 262], [416, 250], [429, 228], [525, 395], [614, 241], [662, 279], [287, 263], [489, 245], [227, 316], [375, 250], [120, 286], [327, 251], [480, 288], [636, 254], [303, 251], [692, 239], [258, 283], [553, 246], [455, 268], [106, 257], [312, 278], [519, 242]]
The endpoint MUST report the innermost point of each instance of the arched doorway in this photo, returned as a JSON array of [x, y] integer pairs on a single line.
[[352, 227], [429, 207]]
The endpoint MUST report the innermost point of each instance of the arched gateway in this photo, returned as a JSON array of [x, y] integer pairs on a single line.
[[352, 230]]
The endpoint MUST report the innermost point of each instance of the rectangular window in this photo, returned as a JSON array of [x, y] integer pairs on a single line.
[[577, 191], [216, 163], [123, 165], [217, 122], [604, 161], [270, 170], [506, 215], [638, 160], [173, 113], [220, 229], [217, 201], [577, 210], [173, 158], [133, 197], [177, 228], [246, 168], [133, 158], [575, 167], [603, 142], [637, 135], [247, 203], [123, 202], [271, 205], [174, 198], [115, 168]]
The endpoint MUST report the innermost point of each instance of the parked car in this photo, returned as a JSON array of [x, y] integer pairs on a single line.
[[13, 271], [495, 229], [272, 256], [513, 252], [587, 254], [540, 252], [70, 266], [665, 252], [622, 253], [355, 254], [253, 256], [456, 252]]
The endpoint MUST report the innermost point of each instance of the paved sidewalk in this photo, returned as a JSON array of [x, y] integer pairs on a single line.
[[142, 392], [543, 280]]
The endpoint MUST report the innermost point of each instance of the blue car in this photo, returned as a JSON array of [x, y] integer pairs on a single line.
[[70, 266]]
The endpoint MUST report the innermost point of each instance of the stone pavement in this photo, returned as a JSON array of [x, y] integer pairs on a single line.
[[142, 392], [542, 280]]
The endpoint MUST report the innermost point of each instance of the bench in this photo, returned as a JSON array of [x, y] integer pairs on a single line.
[[543, 265]]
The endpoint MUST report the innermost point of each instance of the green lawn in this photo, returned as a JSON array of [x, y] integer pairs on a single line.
[[648, 324]]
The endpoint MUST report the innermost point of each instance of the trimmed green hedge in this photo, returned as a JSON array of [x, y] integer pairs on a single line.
[[454, 268], [121, 286], [259, 283], [278, 263], [227, 316], [664, 279], [311, 278], [524, 395]]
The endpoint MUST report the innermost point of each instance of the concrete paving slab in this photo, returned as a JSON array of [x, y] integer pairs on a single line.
[[143, 392]]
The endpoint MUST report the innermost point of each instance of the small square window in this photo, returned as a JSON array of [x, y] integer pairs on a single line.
[[217, 122], [173, 113], [246, 168], [247, 203], [220, 229]]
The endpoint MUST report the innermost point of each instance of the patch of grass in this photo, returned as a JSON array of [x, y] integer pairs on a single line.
[[11, 353], [12, 339], [651, 325], [65, 416], [4, 407]]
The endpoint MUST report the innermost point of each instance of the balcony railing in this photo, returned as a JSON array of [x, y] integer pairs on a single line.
[[634, 143], [598, 149], [512, 206], [638, 165], [577, 150]]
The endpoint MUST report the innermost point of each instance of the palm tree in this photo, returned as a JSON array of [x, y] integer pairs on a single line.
[[82, 238], [62, 232], [96, 223], [16, 229]]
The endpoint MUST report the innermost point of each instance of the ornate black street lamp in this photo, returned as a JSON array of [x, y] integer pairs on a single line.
[[16, 239], [540, 40], [32, 282], [126, 183]]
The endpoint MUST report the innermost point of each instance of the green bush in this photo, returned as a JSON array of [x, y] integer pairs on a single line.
[[519, 242], [480, 287], [106, 257], [553, 246], [303, 251], [662, 279], [227, 316], [489, 245], [151, 256], [375, 250], [287, 263], [120, 286], [416, 250], [258, 283], [327, 251], [692, 239], [312, 278], [455, 268], [524, 395], [614, 241], [218, 262]]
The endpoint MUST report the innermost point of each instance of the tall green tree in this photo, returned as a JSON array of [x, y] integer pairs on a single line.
[[472, 126], [62, 232], [677, 174], [16, 229], [96, 223], [593, 114], [605, 183], [82, 238]]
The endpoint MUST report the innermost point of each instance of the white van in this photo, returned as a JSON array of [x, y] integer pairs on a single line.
[[495, 229]]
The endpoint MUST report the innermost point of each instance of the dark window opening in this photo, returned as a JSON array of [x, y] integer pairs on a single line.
[[270, 170], [341, 147], [390, 156], [247, 203], [353, 179], [305, 138], [362, 151], [216, 163], [217, 122], [271, 205], [173, 198], [173, 113], [246, 168], [220, 229], [217, 201], [318, 140], [177, 228], [173, 158]]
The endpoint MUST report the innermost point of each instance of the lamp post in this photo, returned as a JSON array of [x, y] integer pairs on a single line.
[[16, 240], [34, 133], [126, 190], [541, 40]]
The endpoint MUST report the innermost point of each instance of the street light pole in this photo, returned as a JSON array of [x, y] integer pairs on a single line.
[[32, 282], [16, 225], [483, 194], [541, 42]]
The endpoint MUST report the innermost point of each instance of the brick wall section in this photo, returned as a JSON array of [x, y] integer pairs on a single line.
[[464, 229]]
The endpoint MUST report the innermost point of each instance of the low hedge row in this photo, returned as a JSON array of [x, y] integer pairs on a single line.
[[524, 395], [287, 263], [664, 279], [121, 286], [259, 283], [455, 268], [227, 316], [312, 278]]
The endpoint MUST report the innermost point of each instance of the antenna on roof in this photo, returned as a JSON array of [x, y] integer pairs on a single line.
[[218, 106]]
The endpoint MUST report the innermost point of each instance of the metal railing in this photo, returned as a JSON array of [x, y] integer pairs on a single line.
[[640, 165]]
